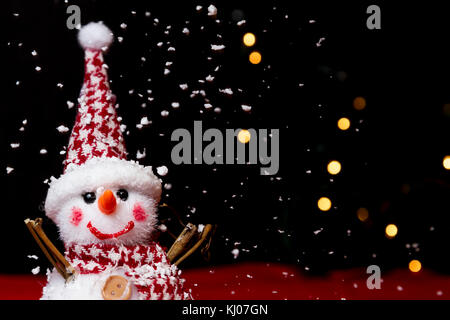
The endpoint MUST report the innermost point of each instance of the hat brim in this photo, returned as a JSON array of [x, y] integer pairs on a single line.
[[101, 172]]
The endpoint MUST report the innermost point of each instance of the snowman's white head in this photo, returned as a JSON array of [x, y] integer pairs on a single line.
[[105, 200]]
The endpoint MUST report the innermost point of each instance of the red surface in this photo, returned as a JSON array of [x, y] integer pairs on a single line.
[[273, 281]]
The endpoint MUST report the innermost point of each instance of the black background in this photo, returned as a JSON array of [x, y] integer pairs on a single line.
[[392, 164]]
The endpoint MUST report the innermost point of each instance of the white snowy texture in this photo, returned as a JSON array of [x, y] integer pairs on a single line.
[[95, 35]]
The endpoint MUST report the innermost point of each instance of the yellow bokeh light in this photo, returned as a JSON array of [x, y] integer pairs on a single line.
[[255, 57], [334, 167], [363, 214], [359, 103], [446, 162], [391, 231], [324, 204], [244, 136], [415, 265], [343, 123], [249, 39]]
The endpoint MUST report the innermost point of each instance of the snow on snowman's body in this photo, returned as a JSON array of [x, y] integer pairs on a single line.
[[84, 287]]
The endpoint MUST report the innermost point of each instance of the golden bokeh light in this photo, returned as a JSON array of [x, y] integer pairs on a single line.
[[391, 231], [362, 214], [359, 103], [249, 39], [334, 167], [415, 265], [343, 123], [244, 136], [446, 162], [255, 57], [324, 204]]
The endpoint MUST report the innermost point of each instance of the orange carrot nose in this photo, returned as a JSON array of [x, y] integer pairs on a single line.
[[107, 202]]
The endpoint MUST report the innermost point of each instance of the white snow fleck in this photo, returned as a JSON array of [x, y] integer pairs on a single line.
[[123, 127], [217, 110], [70, 104], [200, 228], [212, 11], [246, 108], [36, 270], [399, 288], [162, 171], [145, 121], [226, 91], [34, 53], [312, 21], [43, 151], [208, 106], [240, 23], [167, 186], [186, 31], [171, 49], [15, 145], [159, 44], [319, 43], [62, 129], [148, 13], [123, 25], [209, 78], [32, 257], [235, 253], [183, 86], [62, 152], [217, 47], [166, 71], [139, 126], [9, 170], [38, 68], [120, 39], [140, 155], [162, 227], [198, 8], [164, 113], [318, 231], [175, 105]]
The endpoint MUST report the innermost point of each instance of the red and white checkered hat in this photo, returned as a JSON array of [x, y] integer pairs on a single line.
[[96, 154], [96, 132]]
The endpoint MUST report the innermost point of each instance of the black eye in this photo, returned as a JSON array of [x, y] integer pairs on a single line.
[[89, 197], [122, 194]]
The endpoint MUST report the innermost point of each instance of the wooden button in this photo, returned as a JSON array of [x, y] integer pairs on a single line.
[[116, 288]]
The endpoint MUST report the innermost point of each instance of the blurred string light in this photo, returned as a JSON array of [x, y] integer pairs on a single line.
[[362, 214], [334, 167], [343, 123], [359, 103], [324, 204], [249, 39], [391, 231], [244, 136], [415, 266], [446, 162], [255, 57]]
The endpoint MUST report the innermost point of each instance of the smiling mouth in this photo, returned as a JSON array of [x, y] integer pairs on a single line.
[[102, 236]]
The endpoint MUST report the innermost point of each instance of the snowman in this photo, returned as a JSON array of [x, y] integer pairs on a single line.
[[104, 205]]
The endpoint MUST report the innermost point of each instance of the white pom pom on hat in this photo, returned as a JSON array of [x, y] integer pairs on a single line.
[[96, 36]]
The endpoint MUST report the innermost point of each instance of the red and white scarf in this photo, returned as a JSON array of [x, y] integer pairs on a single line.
[[147, 266]]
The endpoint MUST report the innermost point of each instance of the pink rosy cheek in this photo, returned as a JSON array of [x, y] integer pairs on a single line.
[[77, 216], [139, 213]]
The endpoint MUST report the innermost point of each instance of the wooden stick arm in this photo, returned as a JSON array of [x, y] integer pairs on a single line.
[[55, 257]]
